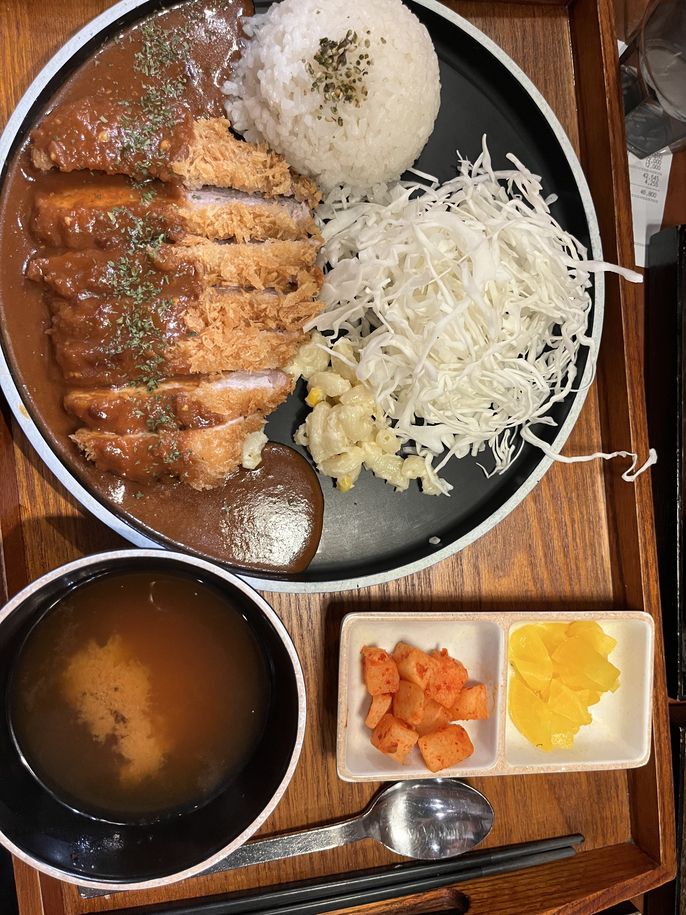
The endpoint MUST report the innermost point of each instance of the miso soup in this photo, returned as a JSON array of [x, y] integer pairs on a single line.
[[138, 694]]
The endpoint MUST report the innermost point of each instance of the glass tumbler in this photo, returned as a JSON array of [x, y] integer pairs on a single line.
[[653, 71]]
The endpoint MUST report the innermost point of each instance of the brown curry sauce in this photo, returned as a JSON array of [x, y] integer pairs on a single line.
[[266, 520]]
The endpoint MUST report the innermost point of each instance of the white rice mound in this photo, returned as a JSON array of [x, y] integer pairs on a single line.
[[271, 97]]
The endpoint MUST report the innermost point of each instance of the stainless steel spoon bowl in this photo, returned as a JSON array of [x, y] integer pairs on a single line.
[[426, 819]]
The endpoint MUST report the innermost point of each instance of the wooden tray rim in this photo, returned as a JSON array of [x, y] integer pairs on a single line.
[[640, 870]]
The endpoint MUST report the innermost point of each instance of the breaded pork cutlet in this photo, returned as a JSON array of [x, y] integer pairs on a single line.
[[115, 213], [202, 458], [179, 404], [282, 265], [175, 302], [90, 354], [102, 334], [97, 133], [112, 322]]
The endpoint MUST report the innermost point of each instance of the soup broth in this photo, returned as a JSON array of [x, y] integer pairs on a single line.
[[138, 694]]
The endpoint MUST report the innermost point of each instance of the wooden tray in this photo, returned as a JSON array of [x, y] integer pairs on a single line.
[[582, 540]]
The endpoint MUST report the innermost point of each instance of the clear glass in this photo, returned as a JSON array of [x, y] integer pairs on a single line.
[[653, 70]]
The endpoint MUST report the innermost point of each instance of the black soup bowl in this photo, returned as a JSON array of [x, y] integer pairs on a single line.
[[44, 831]]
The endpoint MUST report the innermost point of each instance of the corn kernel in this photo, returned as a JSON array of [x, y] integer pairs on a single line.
[[315, 396], [344, 483]]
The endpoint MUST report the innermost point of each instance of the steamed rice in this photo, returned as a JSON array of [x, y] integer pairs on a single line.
[[360, 143]]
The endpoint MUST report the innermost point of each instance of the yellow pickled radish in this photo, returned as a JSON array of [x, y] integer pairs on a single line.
[[573, 678], [552, 634], [562, 732], [589, 696], [592, 633], [529, 714], [575, 656], [531, 658], [549, 698], [565, 702]]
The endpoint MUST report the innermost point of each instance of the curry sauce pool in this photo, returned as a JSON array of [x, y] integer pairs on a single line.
[[139, 694]]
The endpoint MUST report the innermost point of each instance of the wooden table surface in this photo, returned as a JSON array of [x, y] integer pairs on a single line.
[[559, 550]]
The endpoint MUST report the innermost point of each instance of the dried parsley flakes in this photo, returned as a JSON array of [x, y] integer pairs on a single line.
[[339, 70]]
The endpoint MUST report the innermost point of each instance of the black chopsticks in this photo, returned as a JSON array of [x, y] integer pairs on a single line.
[[388, 883]]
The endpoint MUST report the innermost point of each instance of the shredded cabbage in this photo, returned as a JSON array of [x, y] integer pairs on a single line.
[[466, 304]]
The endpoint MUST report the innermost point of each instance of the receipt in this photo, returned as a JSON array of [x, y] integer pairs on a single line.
[[648, 179]]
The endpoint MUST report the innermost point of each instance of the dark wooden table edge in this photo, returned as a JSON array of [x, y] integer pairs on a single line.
[[660, 869]]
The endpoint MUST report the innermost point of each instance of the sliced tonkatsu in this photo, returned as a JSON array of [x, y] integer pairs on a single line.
[[111, 321], [222, 347], [179, 274], [179, 404], [103, 135], [202, 458], [115, 213], [114, 326], [281, 265]]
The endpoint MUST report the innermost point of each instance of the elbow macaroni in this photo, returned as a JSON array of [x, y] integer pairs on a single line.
[[252, 450], [345, 430]]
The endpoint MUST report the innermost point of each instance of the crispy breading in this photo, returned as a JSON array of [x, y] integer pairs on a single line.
[[225, 343], [199, 290], [267, 265], [217, 158], [280, 265], [220, 348], [245, 218], [41, 159], [97, 320], [268, 309]]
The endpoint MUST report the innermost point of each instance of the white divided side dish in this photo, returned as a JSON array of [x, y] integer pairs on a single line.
[[618, 737]]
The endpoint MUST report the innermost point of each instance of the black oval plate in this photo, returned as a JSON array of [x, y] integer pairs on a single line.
[[373, 533]]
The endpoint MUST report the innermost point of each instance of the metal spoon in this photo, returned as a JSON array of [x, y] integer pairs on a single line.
[[426, 819]]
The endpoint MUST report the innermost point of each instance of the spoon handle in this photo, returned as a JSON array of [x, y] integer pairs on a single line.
[[292, 844]]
